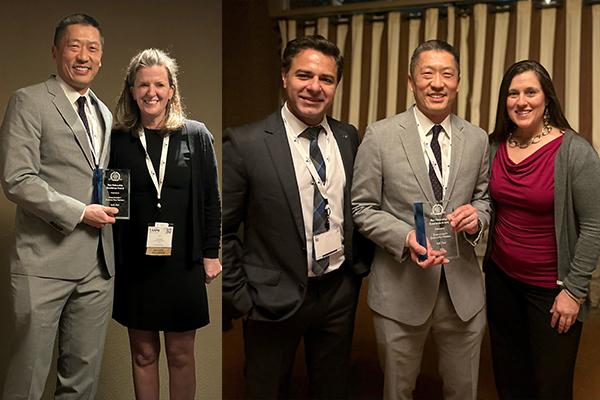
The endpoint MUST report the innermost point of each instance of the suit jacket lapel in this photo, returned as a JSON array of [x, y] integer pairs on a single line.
[[277, 143], [456, 155], [409, 135], [347, 153], [343, 142], [107, 126], [71, 118]]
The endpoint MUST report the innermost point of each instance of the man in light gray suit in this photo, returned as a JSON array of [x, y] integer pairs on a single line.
[[53, 141], [426, 154]]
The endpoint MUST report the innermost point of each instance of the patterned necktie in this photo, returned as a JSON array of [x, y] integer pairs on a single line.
[[81, 111], [97, 176], [437, 152], [320, 219]]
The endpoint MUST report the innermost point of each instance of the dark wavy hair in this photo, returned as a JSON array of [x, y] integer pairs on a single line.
[[504, 125], [314, 42]]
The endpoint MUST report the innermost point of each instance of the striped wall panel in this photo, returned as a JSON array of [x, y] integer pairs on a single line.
[[565, 39]]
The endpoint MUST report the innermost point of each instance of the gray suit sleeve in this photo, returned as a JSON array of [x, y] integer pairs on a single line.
[[21, 138], [379, 226], [481, 197]]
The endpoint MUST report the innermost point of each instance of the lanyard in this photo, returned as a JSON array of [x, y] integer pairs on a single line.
[[162, 166], [310, 166], [93, 149]]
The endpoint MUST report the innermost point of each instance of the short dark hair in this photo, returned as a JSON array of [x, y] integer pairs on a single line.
[[75, 19], [436, 45], [504, 125], [314, 42]]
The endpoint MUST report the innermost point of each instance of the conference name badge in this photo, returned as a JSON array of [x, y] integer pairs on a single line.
[[160, 239], [327, 243]]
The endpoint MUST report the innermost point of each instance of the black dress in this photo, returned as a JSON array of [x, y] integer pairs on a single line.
[[157, 293]]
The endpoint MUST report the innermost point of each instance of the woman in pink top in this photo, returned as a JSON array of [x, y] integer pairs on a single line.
[[544, 240]]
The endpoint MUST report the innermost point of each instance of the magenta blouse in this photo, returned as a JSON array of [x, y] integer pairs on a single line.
[[524, 235]]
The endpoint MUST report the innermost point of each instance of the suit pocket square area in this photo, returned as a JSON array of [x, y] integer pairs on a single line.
[[262, 276]]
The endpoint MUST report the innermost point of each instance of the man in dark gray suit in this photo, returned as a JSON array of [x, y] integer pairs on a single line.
[[54, 140], [287, 180], [425, 154]]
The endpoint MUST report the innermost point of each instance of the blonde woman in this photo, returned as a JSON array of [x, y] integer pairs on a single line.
[[174, 182]]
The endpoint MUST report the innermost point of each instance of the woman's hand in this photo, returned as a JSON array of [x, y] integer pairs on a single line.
[[564, 312], [212, 269]]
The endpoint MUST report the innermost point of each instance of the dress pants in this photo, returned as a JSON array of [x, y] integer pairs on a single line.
[[531, 359], [400, 347], [326, 323], [79, 311]]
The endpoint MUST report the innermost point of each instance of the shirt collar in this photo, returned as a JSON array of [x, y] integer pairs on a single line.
[[426, 124], [295, 126], [71, 93]]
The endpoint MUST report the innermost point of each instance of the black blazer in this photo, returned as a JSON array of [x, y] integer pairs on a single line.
[[206, 209], [264, 267]]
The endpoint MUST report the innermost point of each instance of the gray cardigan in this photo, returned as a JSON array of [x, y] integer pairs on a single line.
[[576, 214]]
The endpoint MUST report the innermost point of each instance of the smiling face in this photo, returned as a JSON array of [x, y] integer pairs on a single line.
[[434, 84], [152, 92], [526, 102], [78, 56], [310, 85]]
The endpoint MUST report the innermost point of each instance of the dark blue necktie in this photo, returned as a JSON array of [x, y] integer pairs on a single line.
[[437, 152], [320, 218]]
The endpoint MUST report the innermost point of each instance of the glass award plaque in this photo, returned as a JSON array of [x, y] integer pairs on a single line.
[[432, 225], [115, 191]]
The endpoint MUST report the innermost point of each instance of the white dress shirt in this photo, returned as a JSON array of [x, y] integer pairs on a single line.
[[334, 184], [93, 116], [424, 126]]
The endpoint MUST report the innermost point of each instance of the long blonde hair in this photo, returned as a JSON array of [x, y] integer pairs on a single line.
[[127, 113]]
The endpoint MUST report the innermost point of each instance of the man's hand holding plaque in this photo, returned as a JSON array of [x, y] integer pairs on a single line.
[[464, 219], [434, 233], [424, 257]]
